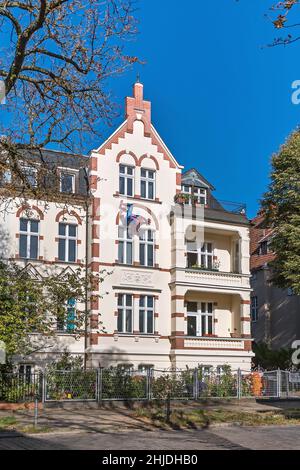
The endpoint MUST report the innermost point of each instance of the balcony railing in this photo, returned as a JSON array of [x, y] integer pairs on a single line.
[[211, 278], [214, 343], [212, 203]]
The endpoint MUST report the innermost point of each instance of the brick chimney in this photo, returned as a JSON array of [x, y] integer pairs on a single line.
[[137, 109]]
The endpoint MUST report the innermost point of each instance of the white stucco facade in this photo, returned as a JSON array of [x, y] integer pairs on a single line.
[[218, 298]]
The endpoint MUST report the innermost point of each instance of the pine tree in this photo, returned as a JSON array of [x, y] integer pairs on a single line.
[[282, 207]]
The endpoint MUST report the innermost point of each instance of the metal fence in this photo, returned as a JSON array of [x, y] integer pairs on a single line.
[[127, 385]]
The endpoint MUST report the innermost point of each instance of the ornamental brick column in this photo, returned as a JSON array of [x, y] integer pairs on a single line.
[[178, 319]]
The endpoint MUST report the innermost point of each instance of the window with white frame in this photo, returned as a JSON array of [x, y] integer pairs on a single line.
[[67, 182], [126, 180], [207, 255], [192, 254], [199, 318], [254, 309], [199, 195], [147, 248], [125, 246], [29, 238], [146, 314], [125, 313], [147, 184], [67, 242], [66, 323]]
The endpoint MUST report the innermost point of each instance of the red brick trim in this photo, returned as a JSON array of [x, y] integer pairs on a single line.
[[93, 339], [156, 315], [72, 213], [93, 164], [94, 323], [177, 315], [25, 207], [246, 319], [178, 179], [245, 302], [123, 152], [95, 250], [177, 297], [142, 158]]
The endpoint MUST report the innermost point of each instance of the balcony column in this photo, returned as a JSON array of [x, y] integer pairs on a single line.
[[178, 242], [245, 255], [178, 319], [246, 322]]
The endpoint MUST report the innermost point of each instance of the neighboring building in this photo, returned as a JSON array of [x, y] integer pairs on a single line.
[[275, 313], [178, 292]]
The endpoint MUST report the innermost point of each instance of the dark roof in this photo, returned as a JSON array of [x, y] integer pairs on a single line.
[[225, 216], [56, 159]]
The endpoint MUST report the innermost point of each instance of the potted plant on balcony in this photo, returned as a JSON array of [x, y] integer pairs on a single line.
[[182, 198], [234, 334]]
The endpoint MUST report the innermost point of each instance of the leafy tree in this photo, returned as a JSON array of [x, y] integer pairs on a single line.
[[55, 60], [282, 207], [28, 306], [272, 359]]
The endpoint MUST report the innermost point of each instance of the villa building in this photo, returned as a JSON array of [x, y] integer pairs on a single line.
[[178, 289]]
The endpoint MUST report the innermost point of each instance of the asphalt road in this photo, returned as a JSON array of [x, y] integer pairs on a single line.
[[223, 438]]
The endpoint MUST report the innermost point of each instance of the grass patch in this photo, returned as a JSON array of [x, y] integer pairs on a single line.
[[199, 418], [7, 422]]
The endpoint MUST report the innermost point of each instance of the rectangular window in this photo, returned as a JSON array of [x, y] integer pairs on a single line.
[[192, 254], [67, 324], [125, 313], [254, 309], [147, 248], [199, 318], [125, 246], [199, 195], [67, 183], [29, 238], [67, 242], [207, 255], [147, 184], [126, 180], [264, 248], [146, 315]]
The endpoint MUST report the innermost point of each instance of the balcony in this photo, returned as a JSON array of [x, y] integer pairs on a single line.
[[200, 277], [211, 203], [233, 344]]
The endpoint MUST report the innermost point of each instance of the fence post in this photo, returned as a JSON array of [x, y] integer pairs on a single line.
[[149, 384], [195, 384], [239, 384], [99, 382], [278, 383], [44, 385]]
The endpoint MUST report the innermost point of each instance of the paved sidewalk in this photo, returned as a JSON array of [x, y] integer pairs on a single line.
[[226, 438]]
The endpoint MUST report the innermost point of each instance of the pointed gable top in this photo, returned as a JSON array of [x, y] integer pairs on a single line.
[[193, 177]]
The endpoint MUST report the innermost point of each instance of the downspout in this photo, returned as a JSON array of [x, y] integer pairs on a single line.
[[86, 293]]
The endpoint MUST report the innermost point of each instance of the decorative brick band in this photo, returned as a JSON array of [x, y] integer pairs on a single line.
[[71, 213], [25, 207], [123, 152], [142, 158], [246, 319], [177, 315]]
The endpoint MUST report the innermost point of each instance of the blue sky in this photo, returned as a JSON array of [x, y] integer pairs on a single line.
[[221, 101]]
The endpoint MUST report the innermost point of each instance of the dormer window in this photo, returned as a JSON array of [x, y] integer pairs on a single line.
[[30, 175], [198, 195], [67, 182]]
